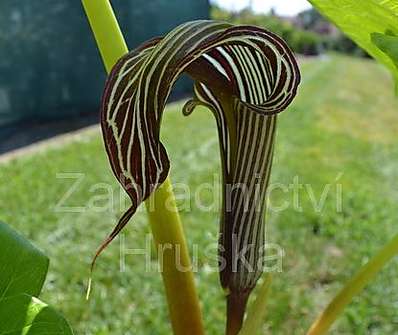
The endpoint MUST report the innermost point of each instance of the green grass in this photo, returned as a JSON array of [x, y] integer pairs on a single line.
[[343, 125]]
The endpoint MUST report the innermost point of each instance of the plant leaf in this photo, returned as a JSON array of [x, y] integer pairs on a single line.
[[360, 20], [26, 315], [23, 268], [388, 44], [389, 4]]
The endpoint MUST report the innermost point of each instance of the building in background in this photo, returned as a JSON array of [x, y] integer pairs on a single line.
[[50, 68]]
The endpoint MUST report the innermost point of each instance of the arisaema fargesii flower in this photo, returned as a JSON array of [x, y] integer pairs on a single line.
[[245, 76]]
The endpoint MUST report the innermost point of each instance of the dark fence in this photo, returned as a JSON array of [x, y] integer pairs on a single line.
[[49, 65]]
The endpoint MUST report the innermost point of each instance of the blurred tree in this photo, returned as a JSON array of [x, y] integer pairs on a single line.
[[308, 33]]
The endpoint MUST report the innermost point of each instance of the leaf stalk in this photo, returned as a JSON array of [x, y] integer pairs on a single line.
[[354, 287]]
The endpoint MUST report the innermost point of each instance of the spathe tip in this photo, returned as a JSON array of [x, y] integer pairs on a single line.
[[88, 292]]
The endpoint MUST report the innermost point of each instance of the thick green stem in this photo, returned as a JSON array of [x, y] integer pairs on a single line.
[[165, 222], [353, 287], [175, 262]]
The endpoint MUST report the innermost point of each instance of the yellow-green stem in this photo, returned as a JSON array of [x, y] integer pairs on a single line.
[[165, 222], [256, 313], [175, 262], [106, 30], [353, 287]]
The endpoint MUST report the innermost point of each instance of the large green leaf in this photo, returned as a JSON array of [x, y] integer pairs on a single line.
[[390, 4], [361, 19], [26, 315], [23, 268]]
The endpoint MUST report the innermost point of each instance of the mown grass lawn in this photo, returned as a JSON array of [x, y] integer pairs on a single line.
[[339, 137]]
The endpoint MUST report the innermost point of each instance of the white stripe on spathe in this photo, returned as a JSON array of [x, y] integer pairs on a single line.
[[216, 65], [235, 72]]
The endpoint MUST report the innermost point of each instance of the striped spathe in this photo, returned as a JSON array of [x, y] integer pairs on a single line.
[[245, 75]]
